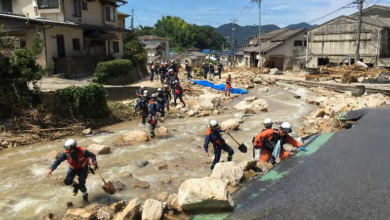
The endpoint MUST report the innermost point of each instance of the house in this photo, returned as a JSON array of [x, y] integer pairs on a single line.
[[195, 52], [282, 49], [157, 47], [334, 42], [76, 34]]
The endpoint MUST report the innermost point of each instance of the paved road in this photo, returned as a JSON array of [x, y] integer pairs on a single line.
[[343, 176]]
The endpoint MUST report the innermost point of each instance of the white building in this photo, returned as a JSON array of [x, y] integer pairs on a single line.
[[157, 47]]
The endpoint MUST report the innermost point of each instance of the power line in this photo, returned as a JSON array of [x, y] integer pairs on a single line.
[[337, 10]]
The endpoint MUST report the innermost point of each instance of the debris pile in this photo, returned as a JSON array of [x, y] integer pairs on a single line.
[[347, 74]]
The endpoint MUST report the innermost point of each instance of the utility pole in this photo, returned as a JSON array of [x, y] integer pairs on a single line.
[[233, 42], [357, 54], [132, 19]]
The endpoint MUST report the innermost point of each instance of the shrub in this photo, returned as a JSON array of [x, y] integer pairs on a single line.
[[114, 68], [86, 102]]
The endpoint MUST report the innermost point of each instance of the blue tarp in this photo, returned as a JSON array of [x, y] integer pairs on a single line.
[[220, 87]]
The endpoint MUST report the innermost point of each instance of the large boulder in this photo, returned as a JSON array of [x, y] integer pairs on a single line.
[[257, 80], [191, 113], [231, 124], [260, 105], [131, 212], [118, 206], [250, 99], [263, 89], [204, 195], [275, 71], [216, 102], [98, 149], [105, 213], [228, 171], [152, 210], [80, 214], [243, 105], [207, 104], [163, 130], [134, 136], [173, 203]]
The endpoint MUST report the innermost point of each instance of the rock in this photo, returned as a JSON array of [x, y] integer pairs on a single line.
[[81, 213], [134, 136], [243, 105], [125, 175], [361, 79], [248, 165], [250, 99], [260, 105], [319, 113], [375, 102], [143, 163], [326, 117], [184, 110], [54, 155], [263, 89], [264, 166], [269, 81], [257, 80], [118, 206], [119, 186], [99, 149], [216, 102], [163, 130], [229, 171], [207, 104], [205, 195], [69, 204], [231, 124], [163, 196], [250, 174], [275, 71], [152, 210], [163, 167], [216, 112], [191, 113], [141, 184], [49, 216], [87, 131], [204, 113], [6, 143], [59, 181], [131, 212], [165, 179], [173, 203], [348, 93], [105, 213], [265, 70]]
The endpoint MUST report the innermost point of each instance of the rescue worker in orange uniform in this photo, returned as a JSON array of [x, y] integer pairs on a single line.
[[268, 139], [213, 135], [228, 86], [78, 159]]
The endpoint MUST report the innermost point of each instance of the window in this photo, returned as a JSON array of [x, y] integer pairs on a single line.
[[42, 4], [110, 13], [23, 44], [85, 6], [298, 43], [76, 9], [305, 43], [76, 44], [5, 5], [114, 47]]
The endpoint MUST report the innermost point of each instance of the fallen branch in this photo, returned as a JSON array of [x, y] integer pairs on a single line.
[[52, 129]]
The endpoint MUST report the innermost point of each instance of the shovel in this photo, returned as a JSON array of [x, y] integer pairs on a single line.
[[108, 187], [241, 147]]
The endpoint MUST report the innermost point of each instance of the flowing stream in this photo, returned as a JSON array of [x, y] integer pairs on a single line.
[[27, 193]]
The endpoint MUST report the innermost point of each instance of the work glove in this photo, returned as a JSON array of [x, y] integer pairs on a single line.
[[303, 149], [96, 167]]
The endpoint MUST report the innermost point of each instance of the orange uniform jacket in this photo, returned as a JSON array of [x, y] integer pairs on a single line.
[[267, 135], [231, 81]]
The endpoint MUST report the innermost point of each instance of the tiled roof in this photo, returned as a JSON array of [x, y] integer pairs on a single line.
[[59, 23], [196, 53], [151, 37], [288, 34], [264, 47], [274, 33]]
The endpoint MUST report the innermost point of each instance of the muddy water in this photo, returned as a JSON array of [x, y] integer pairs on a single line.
[[26, 193]]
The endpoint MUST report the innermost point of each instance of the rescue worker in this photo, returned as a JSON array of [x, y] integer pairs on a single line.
[[228, 86], [267, 125], [151, 68], [168, 96], [212, 71], [152, 118], [142, 105], [213, 135], [174, 78], [140, 91], [220, 69], [161, 101], [205, 70], [188, 69], [268, 139], [178, 93], [78, 160]]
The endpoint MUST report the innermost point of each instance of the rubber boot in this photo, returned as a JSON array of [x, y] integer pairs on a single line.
[[152, 135], [230, 158], [85, 197], [212, 166]]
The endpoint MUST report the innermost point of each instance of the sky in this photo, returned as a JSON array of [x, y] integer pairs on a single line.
[[219, 12]]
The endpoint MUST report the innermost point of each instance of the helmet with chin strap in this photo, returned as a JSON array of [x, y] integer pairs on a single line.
[[69, 144], [286, 127]]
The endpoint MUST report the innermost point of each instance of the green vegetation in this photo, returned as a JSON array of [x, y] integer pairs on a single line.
[[18, 69], [134, 50], [88, 102], [182, 35], [114, 68]]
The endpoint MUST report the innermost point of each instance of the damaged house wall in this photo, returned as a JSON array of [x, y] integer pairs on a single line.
[[336, 40]]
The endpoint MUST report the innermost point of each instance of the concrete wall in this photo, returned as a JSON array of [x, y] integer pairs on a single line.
[[337, 39], [159, 42], [69, 33]]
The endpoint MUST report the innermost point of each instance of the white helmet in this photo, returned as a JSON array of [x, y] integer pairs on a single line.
[[176, 81], [159, 89], [166, 86], [286, 127], [142, 87], [153, 95], [170, 70], [213, 123], [145, 92], [69, 144], [268, 121]]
